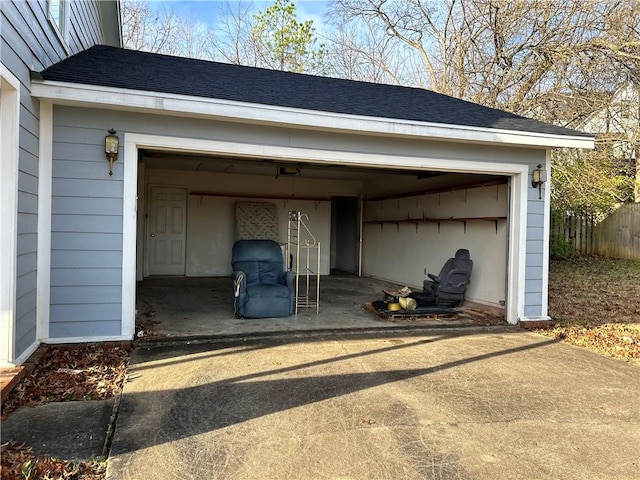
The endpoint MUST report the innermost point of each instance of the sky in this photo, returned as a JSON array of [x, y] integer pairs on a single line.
[[205, 10]]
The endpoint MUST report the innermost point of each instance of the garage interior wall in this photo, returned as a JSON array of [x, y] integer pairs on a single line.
[[404, 252], [397, 252], [211, 218]]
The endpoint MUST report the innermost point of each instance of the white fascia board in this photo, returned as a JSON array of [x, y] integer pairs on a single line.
[[171, 104]]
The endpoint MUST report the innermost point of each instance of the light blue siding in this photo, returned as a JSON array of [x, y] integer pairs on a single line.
[[28, 243], [86, 231], [91, 223], [84, 206], [88, 295], [87, 258], [535, 245], [89, 277], [63, 329], [85, 223], [28, 42], [86, 241], [87, 188], [83, 312]]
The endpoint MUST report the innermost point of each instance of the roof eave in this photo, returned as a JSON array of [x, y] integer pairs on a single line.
[[85, 95]]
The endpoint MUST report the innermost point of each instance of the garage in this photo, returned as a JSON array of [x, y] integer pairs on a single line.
[[410, 221], [393, 181]]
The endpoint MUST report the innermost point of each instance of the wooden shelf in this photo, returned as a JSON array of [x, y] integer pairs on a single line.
[[432, 191], [438, 221]]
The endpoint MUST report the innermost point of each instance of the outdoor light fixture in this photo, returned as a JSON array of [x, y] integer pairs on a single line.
[[111, 144], [539, 176]]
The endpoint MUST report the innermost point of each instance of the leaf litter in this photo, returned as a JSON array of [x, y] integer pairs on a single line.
[[595, 304], [86, 372]]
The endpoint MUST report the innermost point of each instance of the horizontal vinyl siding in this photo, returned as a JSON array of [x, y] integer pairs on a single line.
[[86, 239], [28, 42], [84, 26], [534, 253], [27, 231], [87, 329], [82, 190]]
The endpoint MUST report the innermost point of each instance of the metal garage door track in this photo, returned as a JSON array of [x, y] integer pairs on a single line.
[[471, 404]]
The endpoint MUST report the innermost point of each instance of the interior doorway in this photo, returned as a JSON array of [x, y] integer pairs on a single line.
[[166, 242], [345, 234]]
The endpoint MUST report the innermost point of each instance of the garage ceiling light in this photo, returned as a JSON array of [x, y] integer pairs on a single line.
[[288, 171]]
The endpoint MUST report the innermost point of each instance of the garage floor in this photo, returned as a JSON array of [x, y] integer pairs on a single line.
[[189, 307]]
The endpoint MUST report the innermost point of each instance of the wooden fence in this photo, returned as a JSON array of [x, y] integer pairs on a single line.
[[617, 236]]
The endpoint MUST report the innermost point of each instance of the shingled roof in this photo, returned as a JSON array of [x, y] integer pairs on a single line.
[[142, 71]]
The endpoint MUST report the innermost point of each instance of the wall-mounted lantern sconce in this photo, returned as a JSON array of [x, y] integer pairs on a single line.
[[111, 144], [539, 176]]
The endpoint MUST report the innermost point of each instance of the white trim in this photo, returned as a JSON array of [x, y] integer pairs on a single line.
[[61, 30], [545, 238], [183, 105], [326, 157], [9, 158], [129, 232], [45, 166], [519, 173], [96, 339], [27, 353], [517, 260]]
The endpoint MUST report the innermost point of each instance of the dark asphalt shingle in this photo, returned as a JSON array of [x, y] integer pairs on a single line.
[[121, 68]]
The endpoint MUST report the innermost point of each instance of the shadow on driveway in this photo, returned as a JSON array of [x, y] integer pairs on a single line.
[[224, 402]]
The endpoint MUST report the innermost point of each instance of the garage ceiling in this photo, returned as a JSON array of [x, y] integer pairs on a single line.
[[421, 179]]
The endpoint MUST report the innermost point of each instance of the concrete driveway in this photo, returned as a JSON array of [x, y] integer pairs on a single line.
[[474, 404]]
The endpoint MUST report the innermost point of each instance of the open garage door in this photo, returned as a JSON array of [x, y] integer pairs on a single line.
[[412, 220]]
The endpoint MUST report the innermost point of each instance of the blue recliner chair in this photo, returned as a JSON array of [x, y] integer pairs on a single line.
[[262, 288]]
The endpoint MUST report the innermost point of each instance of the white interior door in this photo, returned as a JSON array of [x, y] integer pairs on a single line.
[[167, 231]]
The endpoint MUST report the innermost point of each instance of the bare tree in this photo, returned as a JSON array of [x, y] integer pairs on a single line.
[[358, 52], [162, 31], [233, 41], [558, 61], [144, 29], [505, 53]]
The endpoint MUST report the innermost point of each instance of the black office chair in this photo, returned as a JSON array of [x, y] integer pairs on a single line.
[[447, 288]]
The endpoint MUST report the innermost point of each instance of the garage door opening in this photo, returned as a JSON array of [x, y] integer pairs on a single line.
[[411, 222]]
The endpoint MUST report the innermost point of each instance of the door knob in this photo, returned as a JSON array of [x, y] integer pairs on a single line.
[[153, 234]]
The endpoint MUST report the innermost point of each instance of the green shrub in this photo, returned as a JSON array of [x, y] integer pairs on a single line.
[[559, 248]]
